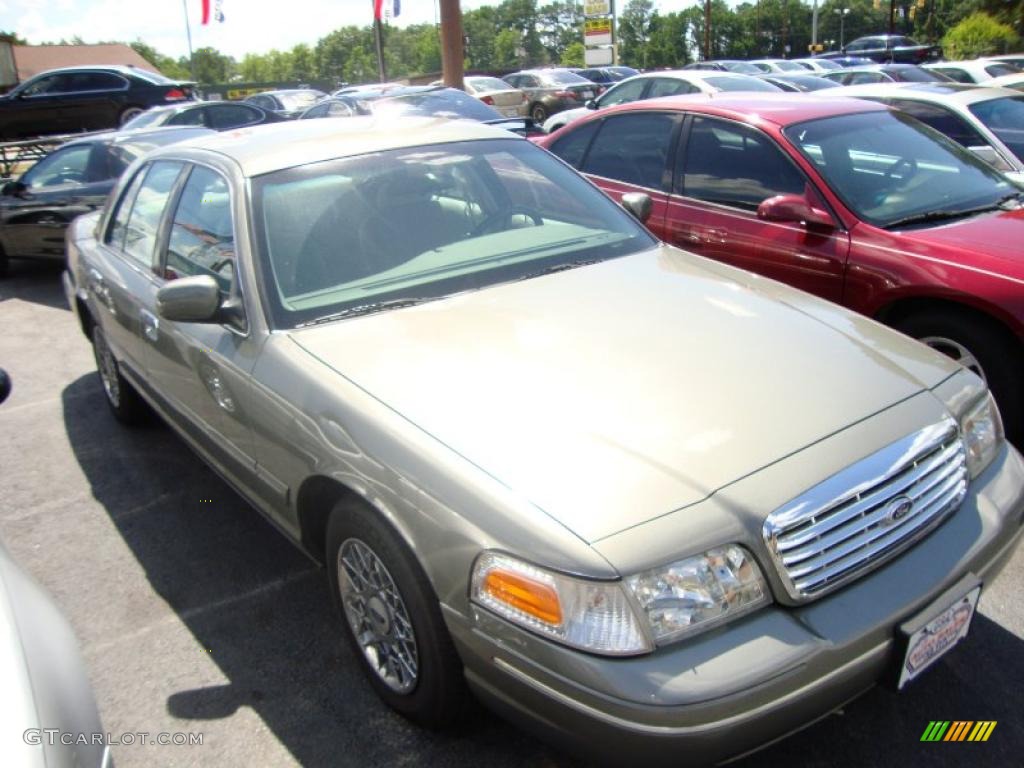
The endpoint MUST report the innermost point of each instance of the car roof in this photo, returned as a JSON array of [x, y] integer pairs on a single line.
[[780, 109], [937, 93], [264, 148], [123, 69], [119, 137]]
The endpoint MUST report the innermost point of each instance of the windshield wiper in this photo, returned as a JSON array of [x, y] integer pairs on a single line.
[[929, 216], [365, 309], [560, 268]]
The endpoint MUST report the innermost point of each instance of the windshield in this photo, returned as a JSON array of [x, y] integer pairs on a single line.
[[887, 166], [447, 102], [739, 83], [1005, 118], [350, 235], [788, 66]]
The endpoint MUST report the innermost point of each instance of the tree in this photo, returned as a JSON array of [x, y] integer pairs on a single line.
[[635, 31], [978, 35], [561, 25], [211, 66], [574, 55], [508, 49], [13, 38]]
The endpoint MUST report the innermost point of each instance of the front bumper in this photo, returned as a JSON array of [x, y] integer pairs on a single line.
[[740, 687]]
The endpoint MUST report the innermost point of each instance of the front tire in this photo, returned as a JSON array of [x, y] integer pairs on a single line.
[[983, 347], [125, 403], [392, 619]]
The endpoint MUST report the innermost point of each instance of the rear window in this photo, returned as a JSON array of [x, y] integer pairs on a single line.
[[740, 83], [564, 78]]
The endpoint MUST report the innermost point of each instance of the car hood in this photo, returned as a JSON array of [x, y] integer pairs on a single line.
[[611, 394], [990, 241]]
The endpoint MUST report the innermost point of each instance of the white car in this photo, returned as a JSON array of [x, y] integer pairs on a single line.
[[778, 65], [1014, 81], [987, 121], [818, 65], [654, 84], [974, 71]]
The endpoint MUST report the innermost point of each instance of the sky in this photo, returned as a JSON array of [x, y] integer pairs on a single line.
[[250, 26]]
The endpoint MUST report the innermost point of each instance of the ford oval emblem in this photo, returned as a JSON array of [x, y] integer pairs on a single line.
[[898, 509]]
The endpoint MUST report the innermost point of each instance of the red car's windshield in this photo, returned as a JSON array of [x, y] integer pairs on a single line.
[[890, 169]]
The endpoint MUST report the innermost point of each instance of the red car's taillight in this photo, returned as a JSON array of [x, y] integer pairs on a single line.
[[487, 99], [175, 94]]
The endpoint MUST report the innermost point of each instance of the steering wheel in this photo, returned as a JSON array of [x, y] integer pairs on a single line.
[[488, 225], [909, 163]]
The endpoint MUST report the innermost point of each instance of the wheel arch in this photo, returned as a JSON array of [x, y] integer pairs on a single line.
[[315, 500], [901, 308]]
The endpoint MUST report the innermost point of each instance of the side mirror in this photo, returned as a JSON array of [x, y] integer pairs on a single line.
[[591, 104], [794, 208], [12, 189], [639, 204], [990, 156], [189, 300], [5, 385]]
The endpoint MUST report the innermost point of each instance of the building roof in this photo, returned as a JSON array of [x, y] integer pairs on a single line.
[[30, 60]]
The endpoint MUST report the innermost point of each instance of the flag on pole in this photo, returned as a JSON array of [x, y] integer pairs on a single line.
[[218, 11], [386, 9]]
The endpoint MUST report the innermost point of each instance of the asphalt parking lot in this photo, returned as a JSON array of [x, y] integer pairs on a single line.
[[195, 616]]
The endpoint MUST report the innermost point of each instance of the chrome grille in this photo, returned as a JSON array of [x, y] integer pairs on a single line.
[[859, 518]]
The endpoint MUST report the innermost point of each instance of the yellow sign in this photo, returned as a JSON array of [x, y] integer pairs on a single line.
[[240, 93], [597, 7], [597, 27], [815, 47]]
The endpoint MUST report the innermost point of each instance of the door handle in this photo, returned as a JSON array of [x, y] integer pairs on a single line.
[[98, 287], [150, 325]]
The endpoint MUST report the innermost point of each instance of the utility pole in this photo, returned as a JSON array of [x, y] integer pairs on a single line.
[[892, 17], [814, 24], [188, 32], [452, 42], [707, 29], [378, 39]]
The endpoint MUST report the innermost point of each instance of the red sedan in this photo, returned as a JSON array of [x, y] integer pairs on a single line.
[[845, 199]]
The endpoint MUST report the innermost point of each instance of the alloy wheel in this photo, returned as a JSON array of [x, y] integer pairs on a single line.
[[377, 616]]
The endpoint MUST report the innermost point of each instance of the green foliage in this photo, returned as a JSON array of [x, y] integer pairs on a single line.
[[13, 38], [211, 66], [573, 55], [979, 35]]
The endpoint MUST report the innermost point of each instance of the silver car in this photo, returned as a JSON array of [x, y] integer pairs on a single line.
[[641, 502]]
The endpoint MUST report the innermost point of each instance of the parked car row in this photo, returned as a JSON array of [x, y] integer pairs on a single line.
[[638, 500]]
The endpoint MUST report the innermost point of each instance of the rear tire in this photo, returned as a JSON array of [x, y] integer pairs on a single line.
[[982, 346], [392, 619], [128, 113], [539, 113], [125, 403]]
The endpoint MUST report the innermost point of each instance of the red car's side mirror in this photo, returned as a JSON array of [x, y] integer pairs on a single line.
[[794, 208]]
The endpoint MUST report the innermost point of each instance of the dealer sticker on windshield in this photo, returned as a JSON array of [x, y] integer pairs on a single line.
[[930, 642]]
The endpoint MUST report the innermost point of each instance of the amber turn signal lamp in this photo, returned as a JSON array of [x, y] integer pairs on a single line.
[[530, 597]]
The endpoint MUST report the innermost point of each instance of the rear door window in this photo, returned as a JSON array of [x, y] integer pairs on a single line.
[[573, 147], [942, 120], [633, 148]]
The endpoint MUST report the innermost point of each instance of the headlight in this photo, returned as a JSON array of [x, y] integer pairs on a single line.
[[982, 431], [697, 593], [592, 615]]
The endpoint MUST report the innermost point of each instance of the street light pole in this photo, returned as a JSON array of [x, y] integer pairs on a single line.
[[843, 13]]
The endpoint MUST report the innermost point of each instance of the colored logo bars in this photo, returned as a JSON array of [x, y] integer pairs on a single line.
[[958, 730]]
